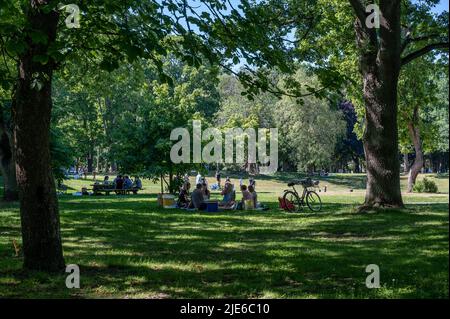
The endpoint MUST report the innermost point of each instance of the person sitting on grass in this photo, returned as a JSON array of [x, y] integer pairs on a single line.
[[252, 182], [253, 195], [228, 199], [206, 192], [183, 196], [197, 200], [245, 196]]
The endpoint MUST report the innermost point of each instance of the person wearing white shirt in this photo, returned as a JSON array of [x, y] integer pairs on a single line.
[[198, 179]]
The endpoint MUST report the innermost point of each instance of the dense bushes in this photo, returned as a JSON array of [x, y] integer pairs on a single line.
[[425, 186]]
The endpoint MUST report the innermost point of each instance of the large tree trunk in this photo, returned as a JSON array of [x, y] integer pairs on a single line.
[[7, 165], [31, 116], [380, 67], [357, 166], [405, 163], [414, 132], [90, 162]]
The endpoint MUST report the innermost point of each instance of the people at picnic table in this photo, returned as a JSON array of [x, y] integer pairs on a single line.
[[127, 183], [106, 180], [137, 183], [118, 182]]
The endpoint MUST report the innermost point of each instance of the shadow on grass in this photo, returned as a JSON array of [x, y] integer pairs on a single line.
[[128, 247]]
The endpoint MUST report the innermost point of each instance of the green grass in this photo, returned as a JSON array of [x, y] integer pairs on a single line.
[[128, 247]]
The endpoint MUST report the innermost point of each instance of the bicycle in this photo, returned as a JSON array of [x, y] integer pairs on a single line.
[[294, 202]]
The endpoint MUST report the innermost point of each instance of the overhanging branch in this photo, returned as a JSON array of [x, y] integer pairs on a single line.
[[417, 54]]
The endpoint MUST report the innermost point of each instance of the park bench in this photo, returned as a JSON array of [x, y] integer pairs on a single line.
[[99, 189]]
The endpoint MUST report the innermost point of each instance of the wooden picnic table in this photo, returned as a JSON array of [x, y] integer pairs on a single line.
[[100, 188]]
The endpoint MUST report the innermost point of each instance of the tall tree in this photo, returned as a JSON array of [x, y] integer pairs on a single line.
[[31, 114], [30, 36], [381, 58], [33, 33], [418, 91], [407, 31]]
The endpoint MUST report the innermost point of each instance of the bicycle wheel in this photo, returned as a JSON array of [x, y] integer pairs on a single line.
[[292, 202], [313, 201]]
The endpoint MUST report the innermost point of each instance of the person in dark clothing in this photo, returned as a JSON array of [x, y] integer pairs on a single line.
[[218, 178], [183, 197], [118, 183], [252, 182], [197, 200]]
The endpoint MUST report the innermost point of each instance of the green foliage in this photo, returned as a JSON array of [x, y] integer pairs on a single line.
[[308, 128], [124, 118], [425, 186], [332, 52], [61, 153], [438, 114], [309, 131], [114, 32], [418, 92]]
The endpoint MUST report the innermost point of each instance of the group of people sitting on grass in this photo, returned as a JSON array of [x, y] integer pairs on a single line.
[[201, 194], [197, 199]]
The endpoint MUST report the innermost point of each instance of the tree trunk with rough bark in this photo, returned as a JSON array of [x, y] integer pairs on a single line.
[[31, 117], [90, 162], [357, 165], [380, 64], [414, 133]]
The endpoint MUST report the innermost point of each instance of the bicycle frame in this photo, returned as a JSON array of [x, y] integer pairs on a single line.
[[305, 198], [301, 198]]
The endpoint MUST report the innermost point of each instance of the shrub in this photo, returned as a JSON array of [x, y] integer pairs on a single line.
[[425, 186]]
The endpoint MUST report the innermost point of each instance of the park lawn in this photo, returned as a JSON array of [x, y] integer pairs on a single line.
[[128, 247], [336, 184]]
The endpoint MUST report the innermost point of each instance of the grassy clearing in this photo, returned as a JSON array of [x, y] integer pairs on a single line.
[[127, 247]]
